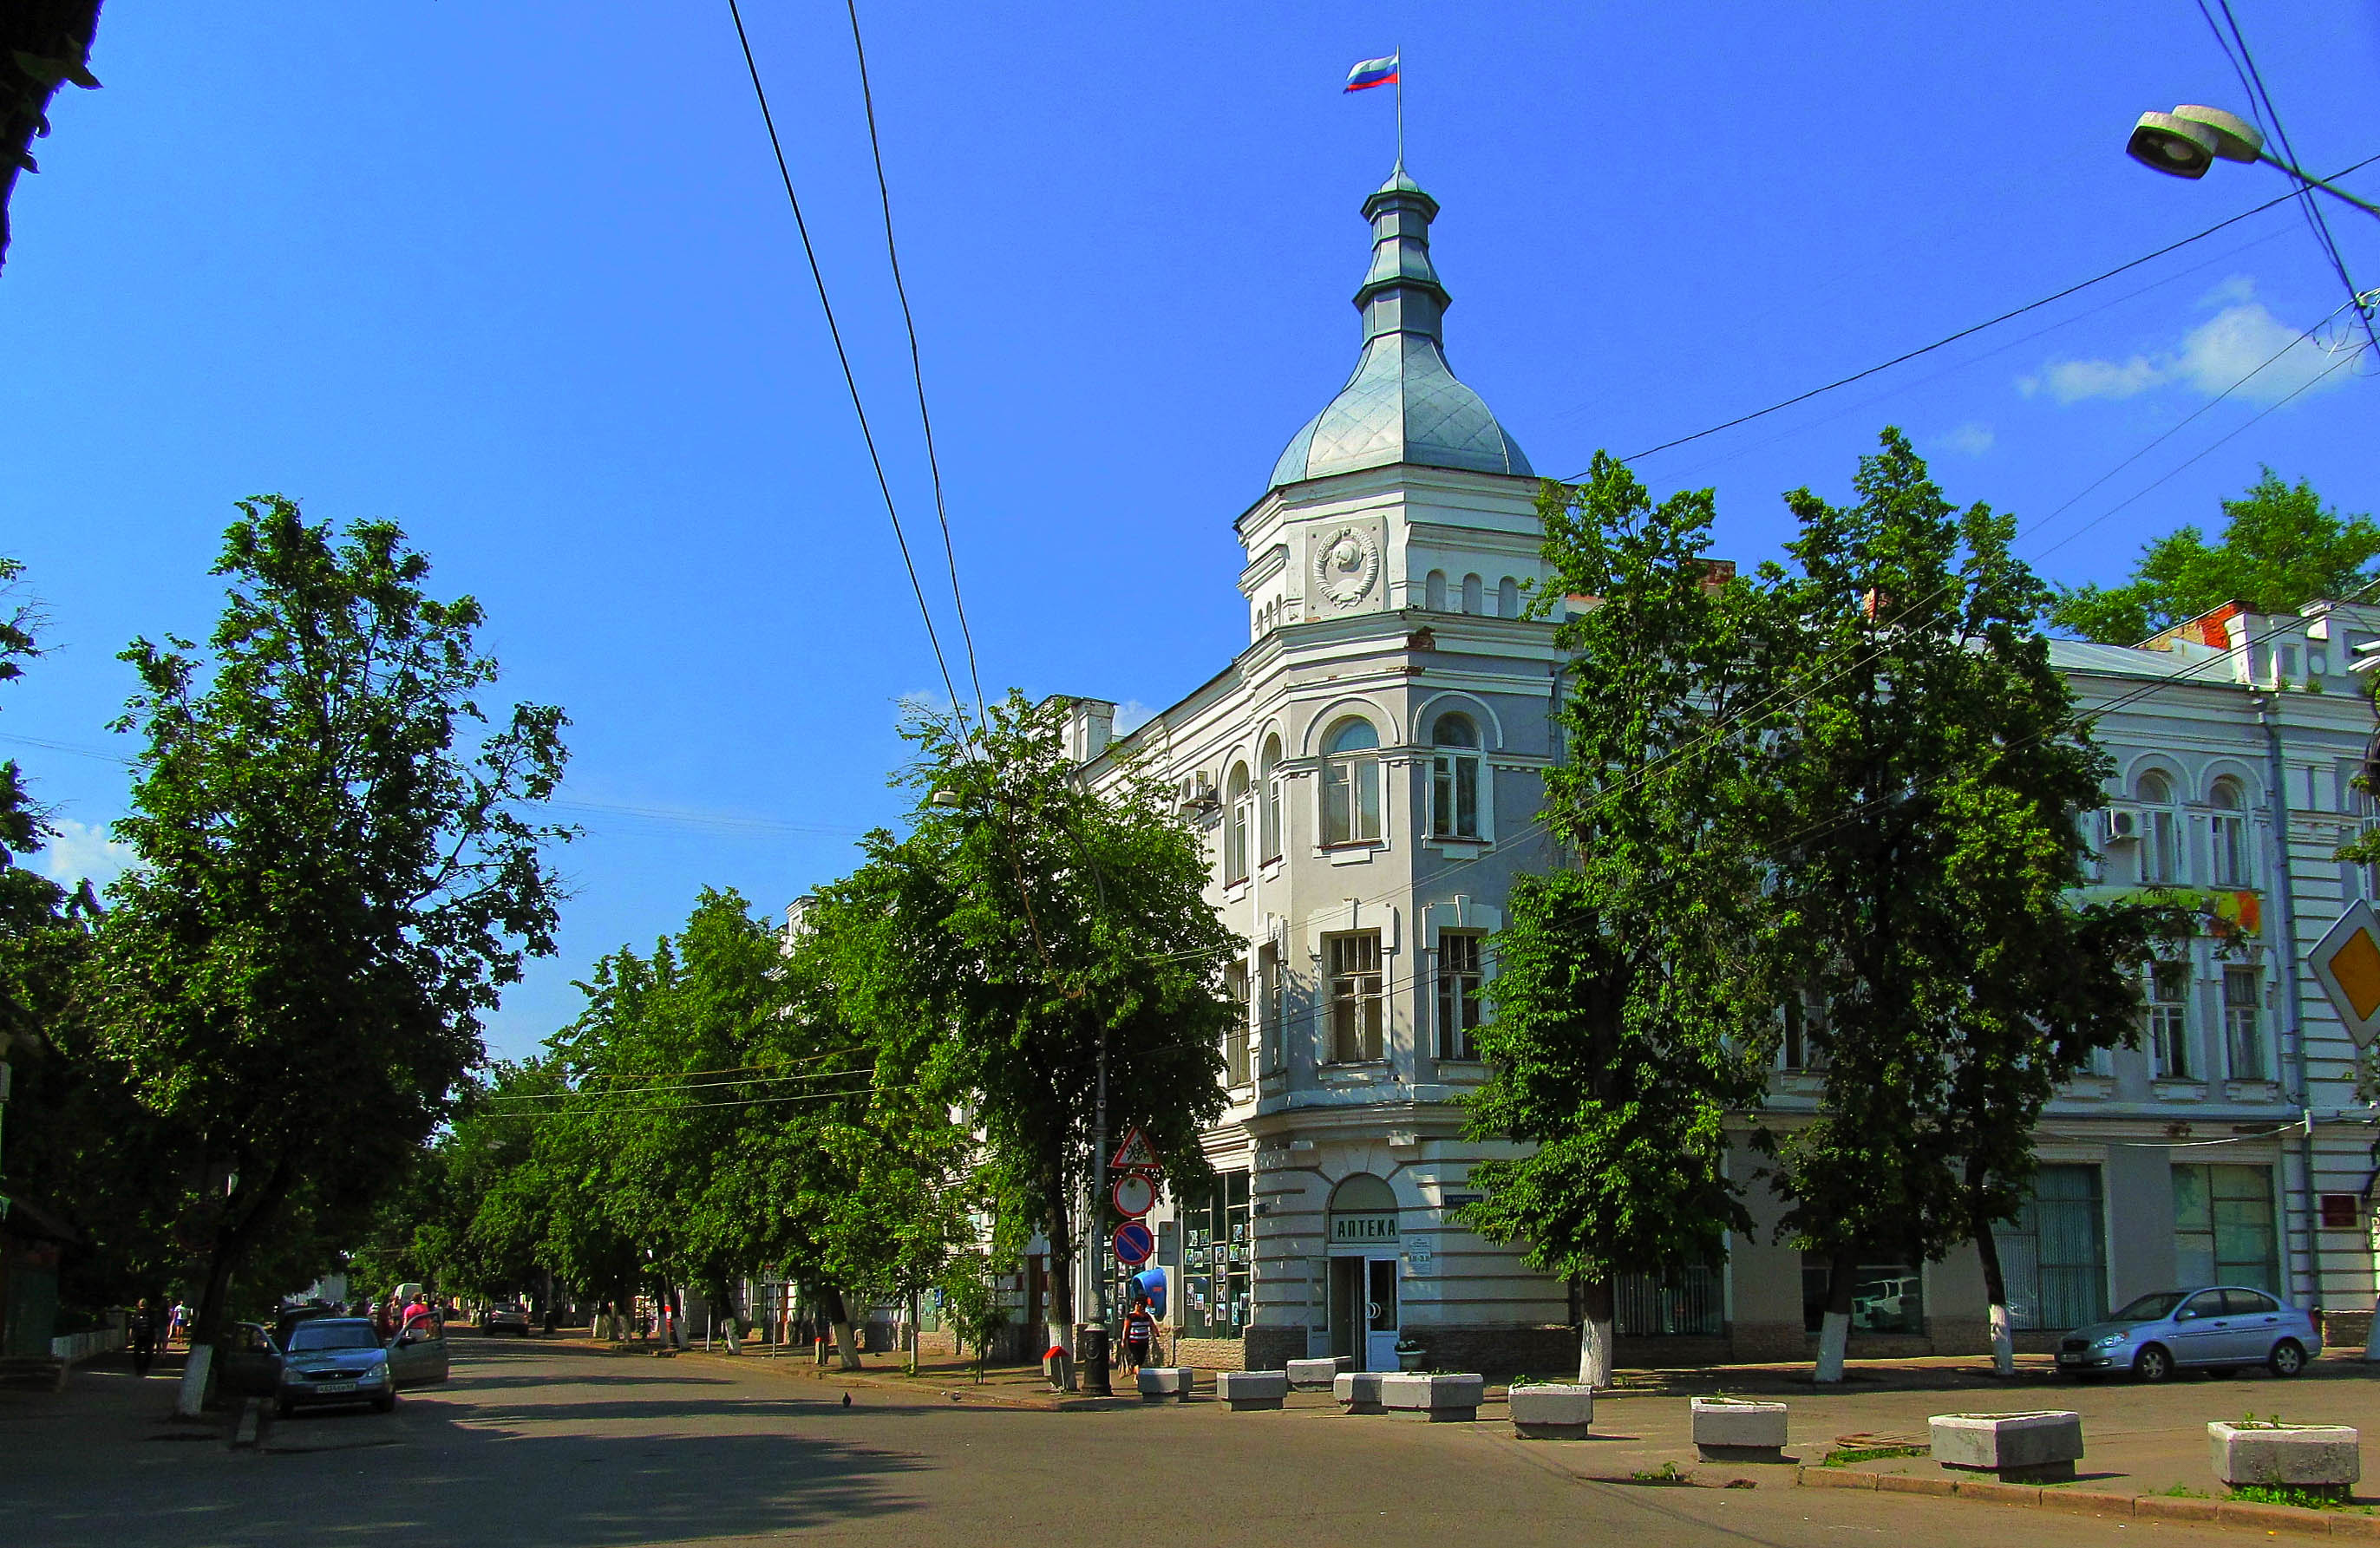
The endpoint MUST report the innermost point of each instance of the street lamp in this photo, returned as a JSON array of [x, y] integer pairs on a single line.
[[2187, 141]]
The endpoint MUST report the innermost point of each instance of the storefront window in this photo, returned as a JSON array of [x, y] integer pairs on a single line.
[[2054, 1260], [2223, 1226], [1679, 1303], [1888, 1296], [1216, 1256]]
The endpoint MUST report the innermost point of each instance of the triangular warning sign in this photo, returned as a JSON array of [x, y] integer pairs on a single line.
[[1136, 1154]]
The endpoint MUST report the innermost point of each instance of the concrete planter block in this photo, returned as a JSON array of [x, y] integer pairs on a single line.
[[1552, 1412], [1316, 1376], [1244, 1391], [1733, 1429], [1160, 1383], [2020, 1448], [2325, 1456], [1442, 1400], [1359, 1392]]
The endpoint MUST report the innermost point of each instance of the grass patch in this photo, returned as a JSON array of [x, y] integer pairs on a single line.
[[2297, 1494], [1666, 1473], [1845, 1457], [2182, 1492]]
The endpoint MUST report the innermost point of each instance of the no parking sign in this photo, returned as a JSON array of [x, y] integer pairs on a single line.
[[1133, 1244]]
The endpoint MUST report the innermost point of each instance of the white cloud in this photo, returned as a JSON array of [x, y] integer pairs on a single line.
[[1971, 438], [1131, 715], [2242, 349], [79, 850]]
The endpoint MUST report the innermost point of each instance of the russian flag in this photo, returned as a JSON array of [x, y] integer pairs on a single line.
[[1373, 72]]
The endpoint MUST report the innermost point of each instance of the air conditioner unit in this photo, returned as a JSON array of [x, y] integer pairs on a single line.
[[2118, 824]]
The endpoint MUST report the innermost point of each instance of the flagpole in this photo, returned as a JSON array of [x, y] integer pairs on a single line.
[[1401, 104]]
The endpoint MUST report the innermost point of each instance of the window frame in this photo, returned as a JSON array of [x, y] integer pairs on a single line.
[[2244, 1013], [2168, 1019], [1239, 813], [1351, 790], [1461, 996], [1238, 1067], [1453, 766], [2228, 835], [1355, 1001], [1270, 836]]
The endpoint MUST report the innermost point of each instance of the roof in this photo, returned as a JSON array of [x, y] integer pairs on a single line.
[[1402, 403]]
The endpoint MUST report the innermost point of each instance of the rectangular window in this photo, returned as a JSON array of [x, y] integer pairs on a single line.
[[2230, 844], [1356, 1005], [2244, 1023], [1272, 816], [1459, 986], [2160, 847], [2054, 1260], [1216, 1258], [1676, 1303], [1805, 1018], [1888, 1296], [1454, 797], [1235, 1035], [1236, 840], [1269, 1006], [2223, 1226], [1351, 801], [2170, 1020]]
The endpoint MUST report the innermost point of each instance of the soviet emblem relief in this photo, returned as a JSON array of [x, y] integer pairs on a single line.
[[1346, 565]]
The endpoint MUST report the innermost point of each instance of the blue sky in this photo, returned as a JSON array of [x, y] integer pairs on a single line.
[[521, 278]]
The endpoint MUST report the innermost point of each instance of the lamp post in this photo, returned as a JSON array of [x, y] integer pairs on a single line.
[[2189, 140]]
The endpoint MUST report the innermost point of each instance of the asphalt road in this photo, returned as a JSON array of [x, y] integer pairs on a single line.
[[534, 1445]]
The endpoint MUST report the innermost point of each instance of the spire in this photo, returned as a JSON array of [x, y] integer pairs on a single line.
[[1402, 405]]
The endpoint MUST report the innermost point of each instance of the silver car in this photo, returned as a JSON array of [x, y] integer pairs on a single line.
[[2218, 1330], [334, 1360]]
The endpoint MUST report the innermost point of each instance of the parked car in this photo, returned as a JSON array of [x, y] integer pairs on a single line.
[[2218, 1330], [504, 1319], [247, 1361], [334, 1360]]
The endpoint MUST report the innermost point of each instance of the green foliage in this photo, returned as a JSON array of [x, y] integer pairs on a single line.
[[1926, 782], [2281, 548], [329, 892], [1631, 1008], [1034, 923]]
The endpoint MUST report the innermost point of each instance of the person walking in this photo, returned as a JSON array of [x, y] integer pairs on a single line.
[[143, 1328], [1139, 1334]]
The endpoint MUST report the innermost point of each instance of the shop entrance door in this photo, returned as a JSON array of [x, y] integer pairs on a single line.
[[1364, 1324]]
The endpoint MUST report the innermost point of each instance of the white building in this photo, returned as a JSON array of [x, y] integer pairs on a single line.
[[1368, 769]]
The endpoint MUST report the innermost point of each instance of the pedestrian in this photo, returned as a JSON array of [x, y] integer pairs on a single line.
[[143, 1328], [178, 1331], [1139, 1334]]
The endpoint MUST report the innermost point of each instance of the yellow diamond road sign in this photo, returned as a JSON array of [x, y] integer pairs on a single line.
[[2347, 961]]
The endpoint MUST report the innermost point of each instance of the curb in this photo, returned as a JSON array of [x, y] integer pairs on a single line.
[[2163, 1507]]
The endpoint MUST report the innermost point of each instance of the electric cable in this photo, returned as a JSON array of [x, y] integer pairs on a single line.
[[834, 332], [917, 367], [1977, 328]]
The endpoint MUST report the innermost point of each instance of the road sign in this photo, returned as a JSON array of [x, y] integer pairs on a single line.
[[2347, 963], [1133, 1244], [1133, 1194], [1136, 1154]]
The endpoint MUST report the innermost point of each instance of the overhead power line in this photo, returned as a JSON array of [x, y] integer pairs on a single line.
[[834, 332], [1970, 331], [917, 367]]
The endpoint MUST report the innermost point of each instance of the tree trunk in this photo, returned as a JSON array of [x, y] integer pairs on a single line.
[[1996, 1295], [1059, 1317], [1834, 1332], [1596, 1336], [838, 1313], [721, 1295]]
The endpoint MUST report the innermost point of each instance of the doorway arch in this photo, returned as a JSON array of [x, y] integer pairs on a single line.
[[1363, 1310]]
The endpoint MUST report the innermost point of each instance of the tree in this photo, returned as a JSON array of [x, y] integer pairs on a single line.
[[330, 892], [43, 44], [1928, 777], [1632, 1013], [1053, 930], [2281, 548]]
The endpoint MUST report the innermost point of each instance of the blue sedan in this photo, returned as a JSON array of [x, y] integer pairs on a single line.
[[2217, 1330]]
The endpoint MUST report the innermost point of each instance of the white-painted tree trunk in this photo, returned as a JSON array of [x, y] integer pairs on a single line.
[[727, 1333], [1057, 1335], [846, 1348], [1595, 1347], [1834, 1335], [2003, 1343], [191, 1401]]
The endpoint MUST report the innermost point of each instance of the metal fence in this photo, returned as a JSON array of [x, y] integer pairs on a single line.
[[1682, 1304]]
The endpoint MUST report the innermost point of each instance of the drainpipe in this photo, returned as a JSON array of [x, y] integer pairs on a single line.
[[2293, 1004]]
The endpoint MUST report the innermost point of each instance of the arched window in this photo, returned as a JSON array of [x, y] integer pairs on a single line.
[[1474, 595], [1351, 785], [1455, 777], [1239, 812], [1433, 591], [2229, 834], [1269, 772], [1508, 598], [2160, 830]]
